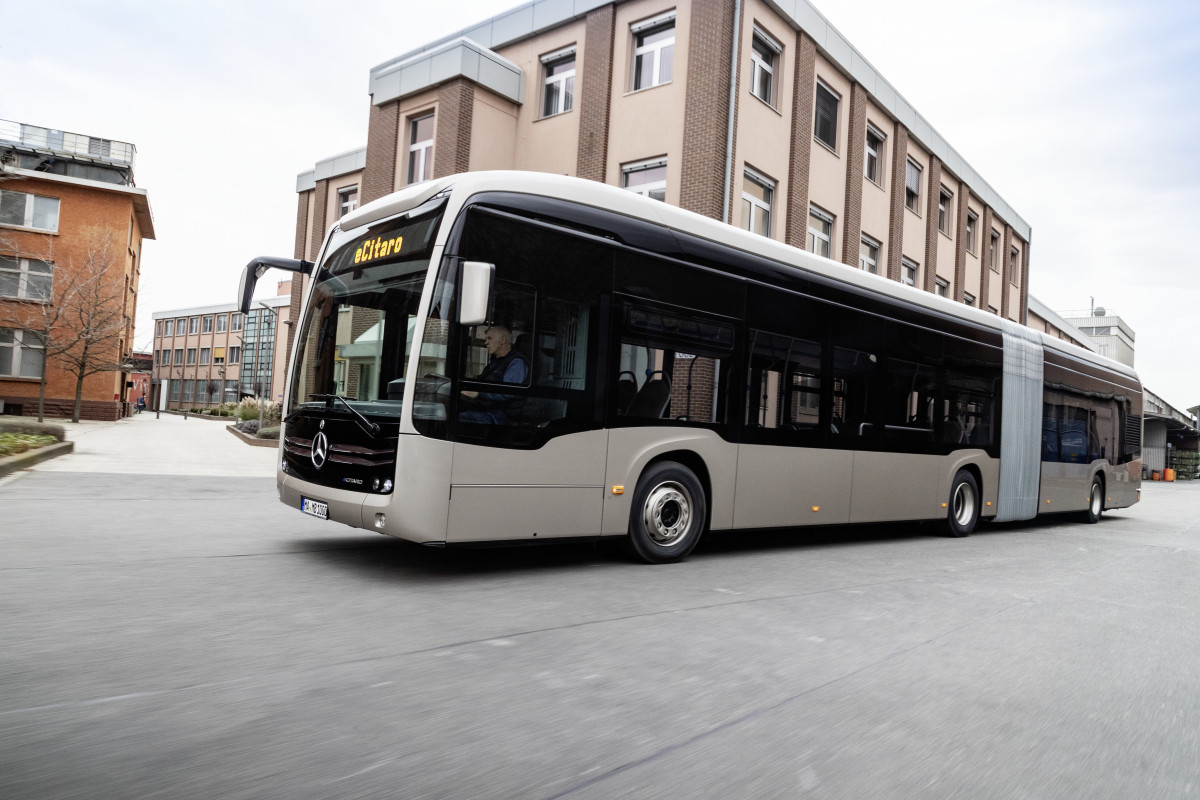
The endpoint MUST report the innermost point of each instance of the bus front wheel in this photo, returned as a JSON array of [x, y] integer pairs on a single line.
[[668, 515], [962, 512], [1095, 506]]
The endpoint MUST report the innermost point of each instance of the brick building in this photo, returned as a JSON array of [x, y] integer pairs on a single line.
[[68, 204], [207, 355], [765, 117]]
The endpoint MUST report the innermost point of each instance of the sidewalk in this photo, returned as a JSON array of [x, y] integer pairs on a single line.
[[169, 445]]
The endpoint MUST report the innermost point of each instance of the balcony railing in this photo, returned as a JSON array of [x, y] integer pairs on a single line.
[[65, 142]]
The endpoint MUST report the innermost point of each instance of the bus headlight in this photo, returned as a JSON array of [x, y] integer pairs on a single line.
[[375, 485], [387, 484], [283, 466]]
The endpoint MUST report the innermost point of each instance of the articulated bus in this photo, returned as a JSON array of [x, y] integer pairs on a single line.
[[509, 356]]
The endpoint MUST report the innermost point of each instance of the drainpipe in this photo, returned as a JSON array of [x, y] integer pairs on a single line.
[[733, 68]]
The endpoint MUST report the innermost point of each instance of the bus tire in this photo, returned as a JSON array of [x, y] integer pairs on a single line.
[[669, 514], [1095, 506], [962, 512]]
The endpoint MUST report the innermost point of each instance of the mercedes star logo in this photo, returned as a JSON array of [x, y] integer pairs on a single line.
[[320, 450]]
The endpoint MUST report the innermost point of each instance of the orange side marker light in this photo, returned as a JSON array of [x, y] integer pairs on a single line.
[[618, 490]]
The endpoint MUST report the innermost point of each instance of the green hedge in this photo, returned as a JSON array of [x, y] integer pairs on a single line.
[[30, 427]]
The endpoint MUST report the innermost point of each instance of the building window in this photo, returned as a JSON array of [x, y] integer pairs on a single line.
[[820, 231], [647, 178], [908, 269], [168, 327], [237, 322], [178, 355], [558, 92], [347, 200], [873, 168], [945, 199], [191, 355], [26, 278], [29, 211], [971, 220], [175, 389], [995, 245], [825, 126], [653, 51], [420, 149], [158, 329], [193, 324], [942, 288], [969, 299], [912, 186], [993, 310], [757, 193], [180, 326], [204, 351], [764, 57], [868, 255], [166, 358], [219, 356], [188, 388], [21, 353], [235, 355], [208, 323], [222, 322], [1014, 259]]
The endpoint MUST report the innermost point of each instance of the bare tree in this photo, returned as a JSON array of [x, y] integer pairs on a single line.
[[93, 316]]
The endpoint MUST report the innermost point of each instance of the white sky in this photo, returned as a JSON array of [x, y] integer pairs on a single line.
[[1084, 115]]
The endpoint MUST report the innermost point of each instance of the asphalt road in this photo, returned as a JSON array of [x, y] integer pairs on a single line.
[[186, 636]]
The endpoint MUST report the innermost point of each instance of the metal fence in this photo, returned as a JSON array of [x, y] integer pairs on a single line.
[[66, 142]]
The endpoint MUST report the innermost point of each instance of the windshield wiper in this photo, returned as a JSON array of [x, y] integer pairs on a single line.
[[371, 428]]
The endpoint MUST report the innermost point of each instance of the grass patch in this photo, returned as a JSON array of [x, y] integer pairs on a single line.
[[12, 444]]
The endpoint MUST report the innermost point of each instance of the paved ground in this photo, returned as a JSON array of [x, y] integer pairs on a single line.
[[180, 634]]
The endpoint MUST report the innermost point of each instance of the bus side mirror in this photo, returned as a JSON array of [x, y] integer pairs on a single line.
[[258, 267], [476, 295]]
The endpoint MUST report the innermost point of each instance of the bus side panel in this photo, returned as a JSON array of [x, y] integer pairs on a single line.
[[418, 504], [556, 490], [631, 449], [894, 486], [781, 486], [1123, 483]]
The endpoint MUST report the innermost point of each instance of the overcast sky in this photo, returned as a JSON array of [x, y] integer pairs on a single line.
[[1083, 115]]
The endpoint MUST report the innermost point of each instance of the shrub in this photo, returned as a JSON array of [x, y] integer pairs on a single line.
[[13, 443], [269, 433], [248, 426], [31, 427]]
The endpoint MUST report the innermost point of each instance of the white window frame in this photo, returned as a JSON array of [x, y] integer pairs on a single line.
[[876, 152], [235, 354], [865, 260], [180, 326], [205, 354], [347, 200], [915, 205], [29, 212], [652, 189], [945, 210], [653, 49], [820, 242], [21, 268], [760, 210], [908, 271], [564, 100], [165, 359], [972, 224], [222, 323], [762, 65], [237, 322], [837, 110], [191, 357], [207, 324], [23, 340], [193, 325], [1014, 265], [178, 356], [422, 168]]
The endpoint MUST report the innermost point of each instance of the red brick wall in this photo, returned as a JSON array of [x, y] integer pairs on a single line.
[[960, 246], [985, 269], [933, 190], [895, 245], [383, 139], [452, 145], [856, 150], [594, 93], [803, 86]]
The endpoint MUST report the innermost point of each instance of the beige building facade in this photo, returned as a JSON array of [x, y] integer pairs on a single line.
[[208, 355], [759, 114]]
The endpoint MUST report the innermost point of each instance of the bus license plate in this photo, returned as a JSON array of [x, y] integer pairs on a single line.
[[314, 507]]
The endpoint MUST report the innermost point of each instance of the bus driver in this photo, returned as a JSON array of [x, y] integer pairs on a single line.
[[505, 365]]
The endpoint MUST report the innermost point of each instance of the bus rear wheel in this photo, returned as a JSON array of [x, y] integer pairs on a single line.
[[1095, 506], [668, 515], [962, 512]]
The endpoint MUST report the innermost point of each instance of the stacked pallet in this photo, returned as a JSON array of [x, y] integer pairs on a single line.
[[1186, 464]]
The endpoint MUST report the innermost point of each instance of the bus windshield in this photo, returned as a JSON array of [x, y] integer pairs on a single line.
[[357, 334]]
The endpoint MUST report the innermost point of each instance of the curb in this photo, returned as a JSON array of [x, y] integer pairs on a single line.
[[25, 460], [252, 440], [190, 415]]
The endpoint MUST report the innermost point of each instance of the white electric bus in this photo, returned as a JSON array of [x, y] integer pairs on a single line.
[[511, 356]]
